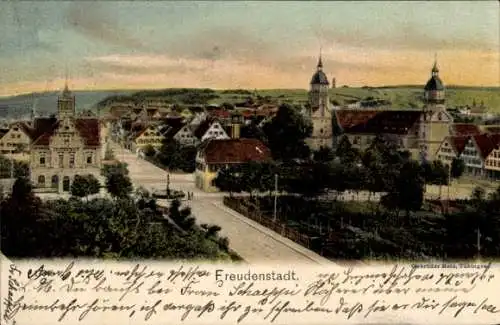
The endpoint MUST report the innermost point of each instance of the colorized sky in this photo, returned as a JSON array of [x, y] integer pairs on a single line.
[[162, 44]]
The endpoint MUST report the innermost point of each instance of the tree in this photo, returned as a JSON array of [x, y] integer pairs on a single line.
[[323, 154], [182, 217], [149, 151], [118, 183], [435, 173], [408, 191], [227, 106], [346, 153], [228, 180], [85, 185], [286, 133], [457, 168]]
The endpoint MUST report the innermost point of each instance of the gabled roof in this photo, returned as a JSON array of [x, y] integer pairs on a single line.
[[200, 131], [234, 151], [465, 129], [484, 144], [44, 128], [173, 130], [375, 122], [458, 143]]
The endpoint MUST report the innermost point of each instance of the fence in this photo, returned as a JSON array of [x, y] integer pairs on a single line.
[[278, 227]]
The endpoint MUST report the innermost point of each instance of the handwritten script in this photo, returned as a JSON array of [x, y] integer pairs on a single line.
[[88, 292]]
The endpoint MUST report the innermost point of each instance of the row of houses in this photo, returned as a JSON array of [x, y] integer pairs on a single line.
[[479, 148], [220, 124]]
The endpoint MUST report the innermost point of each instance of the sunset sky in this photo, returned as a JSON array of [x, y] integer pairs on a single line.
[[119, 45]]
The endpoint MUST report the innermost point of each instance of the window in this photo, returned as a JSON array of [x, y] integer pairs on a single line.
[[42, 161], [89, 159], [61, 160], [72, 160], [41, 180], [55, 181]]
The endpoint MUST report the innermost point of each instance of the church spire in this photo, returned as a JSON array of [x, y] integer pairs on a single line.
[[320, 61], [435, 69]]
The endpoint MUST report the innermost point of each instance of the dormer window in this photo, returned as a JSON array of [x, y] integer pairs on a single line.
[[66, 127]]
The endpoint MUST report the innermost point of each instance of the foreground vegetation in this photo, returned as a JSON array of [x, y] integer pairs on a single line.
[[129, 225]]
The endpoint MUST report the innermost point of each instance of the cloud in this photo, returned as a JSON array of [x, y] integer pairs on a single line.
[[405, 37], [95, 21]]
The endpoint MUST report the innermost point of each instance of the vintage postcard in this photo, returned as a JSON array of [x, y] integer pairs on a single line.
[[281, 162]]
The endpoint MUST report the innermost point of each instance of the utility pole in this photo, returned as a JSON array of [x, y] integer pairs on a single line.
[[168, 185], [275, 196]]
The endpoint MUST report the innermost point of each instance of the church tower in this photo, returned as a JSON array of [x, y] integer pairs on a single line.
[[319, 111], [66, 104], [435, 122], [434, 89]]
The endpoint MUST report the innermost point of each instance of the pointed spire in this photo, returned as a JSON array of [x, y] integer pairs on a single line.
[[66, 88], [320, 61], [435, 69]]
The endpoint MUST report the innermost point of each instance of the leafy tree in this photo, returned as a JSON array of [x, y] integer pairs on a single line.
[[457, 167], [118, 183], [435, 173], [85, 185], [149, 151], [408, 191], [118, 167], [227, 106], [177, 157], [228, 180], [252, 131], [182, 217], [323, 154], [286, 133]]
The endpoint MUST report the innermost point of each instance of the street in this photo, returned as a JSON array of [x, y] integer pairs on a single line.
[[253, 242]]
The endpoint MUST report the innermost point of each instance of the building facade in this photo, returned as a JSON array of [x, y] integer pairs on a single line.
[[15, 141], [213, 155], [419, 131], [63, 147]]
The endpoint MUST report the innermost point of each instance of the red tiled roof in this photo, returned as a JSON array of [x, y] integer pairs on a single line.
[[484, 144], [204, 126], [44, 129], [234, 151], [370, 121], [495, 139], [89, 130], [465, 129], [458, 143], [220, 113]]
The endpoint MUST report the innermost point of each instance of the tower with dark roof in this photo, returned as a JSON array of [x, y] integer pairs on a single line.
[[434, 89], [66, 103], [435, 120], [319, 111]]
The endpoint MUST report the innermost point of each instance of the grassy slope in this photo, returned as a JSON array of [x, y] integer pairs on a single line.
[[401, 97]]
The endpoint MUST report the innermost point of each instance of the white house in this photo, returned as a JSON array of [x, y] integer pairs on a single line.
[[210, 129]]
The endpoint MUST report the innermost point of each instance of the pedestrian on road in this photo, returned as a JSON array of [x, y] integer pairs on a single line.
[[192, 194], [189, 195]]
